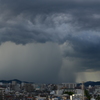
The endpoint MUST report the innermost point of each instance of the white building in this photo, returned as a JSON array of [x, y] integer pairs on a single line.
[[79, 91], [76, 97], [59, 92], [14, 82], [52, 92]]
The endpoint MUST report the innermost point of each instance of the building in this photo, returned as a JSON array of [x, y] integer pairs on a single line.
[[69, 85]]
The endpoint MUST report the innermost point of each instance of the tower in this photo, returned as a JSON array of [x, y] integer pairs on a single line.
[[82, 90]]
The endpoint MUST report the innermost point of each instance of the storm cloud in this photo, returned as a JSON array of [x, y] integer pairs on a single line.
[[70, 27], [25, 21]]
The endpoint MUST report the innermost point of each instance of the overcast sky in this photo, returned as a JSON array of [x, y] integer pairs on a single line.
[[50, 41]]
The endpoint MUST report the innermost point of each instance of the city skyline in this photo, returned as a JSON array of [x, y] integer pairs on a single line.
[[50, 40]]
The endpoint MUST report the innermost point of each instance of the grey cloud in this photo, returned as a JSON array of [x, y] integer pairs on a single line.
[[85, 52], [74, 23], [45, 17]]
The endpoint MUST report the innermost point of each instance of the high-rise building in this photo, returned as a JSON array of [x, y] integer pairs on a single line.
[[69, 85]]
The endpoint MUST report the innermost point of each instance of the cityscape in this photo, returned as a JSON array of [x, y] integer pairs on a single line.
[[21, 90], [49, 49]]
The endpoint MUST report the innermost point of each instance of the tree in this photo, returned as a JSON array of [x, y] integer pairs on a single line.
[[87, 94]]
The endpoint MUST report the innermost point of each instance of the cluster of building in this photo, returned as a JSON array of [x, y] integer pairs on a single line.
[[30, 91]]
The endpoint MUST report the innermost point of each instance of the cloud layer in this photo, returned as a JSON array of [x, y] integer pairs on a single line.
[[71, 26], [47, 20]]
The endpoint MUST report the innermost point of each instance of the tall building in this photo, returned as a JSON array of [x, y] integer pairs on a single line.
[[69, 85], [14, 82]]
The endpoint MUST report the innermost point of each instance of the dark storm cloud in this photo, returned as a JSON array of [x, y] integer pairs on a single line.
[[25, 21], [86, 50], [73, 24]]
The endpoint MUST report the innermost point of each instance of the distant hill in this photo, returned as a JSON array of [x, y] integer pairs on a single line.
[[10, 81], [92, 83]]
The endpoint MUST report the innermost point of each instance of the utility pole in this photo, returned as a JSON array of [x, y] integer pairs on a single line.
[[82, 90]]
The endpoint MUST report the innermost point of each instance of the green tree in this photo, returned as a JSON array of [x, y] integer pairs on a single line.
[[87, 94]]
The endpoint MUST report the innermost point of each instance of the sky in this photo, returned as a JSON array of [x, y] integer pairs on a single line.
[[50, 41]]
